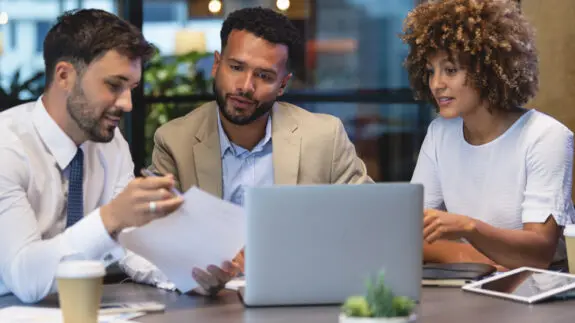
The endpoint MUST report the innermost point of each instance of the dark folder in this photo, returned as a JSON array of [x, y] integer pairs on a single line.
[[454, 274]]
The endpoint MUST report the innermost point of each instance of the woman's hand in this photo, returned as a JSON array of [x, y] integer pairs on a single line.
[[443, 225]]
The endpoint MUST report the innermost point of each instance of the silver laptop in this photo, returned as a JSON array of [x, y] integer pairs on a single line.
[[314, 245]]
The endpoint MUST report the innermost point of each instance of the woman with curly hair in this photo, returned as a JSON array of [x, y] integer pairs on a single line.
[[497, 176]]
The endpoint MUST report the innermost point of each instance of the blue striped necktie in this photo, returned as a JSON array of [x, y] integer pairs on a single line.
[[75, 194]]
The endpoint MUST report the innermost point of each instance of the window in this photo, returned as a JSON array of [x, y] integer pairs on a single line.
[[29, 22], [351, 46], [160, 12], [12, 30], [42, 28]]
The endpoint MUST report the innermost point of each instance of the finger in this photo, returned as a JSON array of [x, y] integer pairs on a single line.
[[203, 285], [429, 222], [206, 280], [434, 236], [501, 268], [151, 169], [164, 207], [153, 195], [429, 218], [231, 268], [429, 230], [228, 266], [222, 276], [238, 261], [152, 183]]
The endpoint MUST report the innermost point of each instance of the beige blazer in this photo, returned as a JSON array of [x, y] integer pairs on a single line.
[[308, 148]]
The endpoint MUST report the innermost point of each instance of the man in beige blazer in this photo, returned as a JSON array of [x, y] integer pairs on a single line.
[[308, 148], [246, 137]]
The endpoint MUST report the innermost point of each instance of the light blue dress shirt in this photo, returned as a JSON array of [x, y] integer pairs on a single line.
[[243, 168]]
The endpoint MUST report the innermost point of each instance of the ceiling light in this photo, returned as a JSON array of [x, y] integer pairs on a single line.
[[282, 5], [3, 18], [215, 6]]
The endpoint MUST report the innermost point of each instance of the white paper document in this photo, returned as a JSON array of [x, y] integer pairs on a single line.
[[236, 283], [206, 230], [29, 314]]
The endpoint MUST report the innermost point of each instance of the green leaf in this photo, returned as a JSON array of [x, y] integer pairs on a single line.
[[171, 76], [403, 306], [383, 303], [14, 85], [356, 306], [380, 298]]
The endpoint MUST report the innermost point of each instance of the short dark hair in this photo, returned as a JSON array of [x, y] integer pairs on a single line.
[[81, 36], [265, 23], [491, 39]]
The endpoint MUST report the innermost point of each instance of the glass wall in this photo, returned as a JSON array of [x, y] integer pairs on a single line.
[[23, 26], [351, 46], [352, 68]]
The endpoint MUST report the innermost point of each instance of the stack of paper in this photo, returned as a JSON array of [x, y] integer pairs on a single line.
[[205, 231]]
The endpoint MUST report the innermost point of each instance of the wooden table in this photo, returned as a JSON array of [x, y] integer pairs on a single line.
[[439, 305]]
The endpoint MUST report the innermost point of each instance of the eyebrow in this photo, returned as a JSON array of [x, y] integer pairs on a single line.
[[122, 78], [267, 70], [444, 60]]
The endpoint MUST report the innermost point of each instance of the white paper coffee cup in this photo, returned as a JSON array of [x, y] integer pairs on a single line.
[[80, 290], [569, 233]]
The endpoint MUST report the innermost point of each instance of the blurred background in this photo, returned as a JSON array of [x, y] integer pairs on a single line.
[[352, 69]]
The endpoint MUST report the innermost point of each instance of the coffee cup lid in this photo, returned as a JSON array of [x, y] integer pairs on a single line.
[[569, 230], [80, 269]]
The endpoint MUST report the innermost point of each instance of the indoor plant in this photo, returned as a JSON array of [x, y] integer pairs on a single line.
[[377, 306], [19, 91], [170, 77]]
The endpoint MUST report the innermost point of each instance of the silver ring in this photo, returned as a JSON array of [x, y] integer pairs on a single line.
[[152, 206]]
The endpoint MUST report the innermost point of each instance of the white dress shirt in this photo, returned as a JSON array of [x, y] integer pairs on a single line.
[[33, 193]]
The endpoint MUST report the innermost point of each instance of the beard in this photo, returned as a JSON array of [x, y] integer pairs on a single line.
[[261, 108], [83, 113]]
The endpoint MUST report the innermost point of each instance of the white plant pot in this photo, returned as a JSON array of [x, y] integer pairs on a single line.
[[349, 319]]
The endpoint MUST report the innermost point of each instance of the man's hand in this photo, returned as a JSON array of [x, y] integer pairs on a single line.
[[215, 278], [442, 225], [143, 200], [238, 261]]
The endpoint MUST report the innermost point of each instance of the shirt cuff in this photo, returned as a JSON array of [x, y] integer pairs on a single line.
[[90, 238], [144, 272], [541, 216]]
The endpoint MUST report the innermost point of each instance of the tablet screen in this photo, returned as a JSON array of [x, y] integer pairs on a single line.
[[527, 283]]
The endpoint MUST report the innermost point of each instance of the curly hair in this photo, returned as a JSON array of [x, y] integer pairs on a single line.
[[490, 39], [267, 24]]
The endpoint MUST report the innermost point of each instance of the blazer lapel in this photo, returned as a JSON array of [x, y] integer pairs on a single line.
[[207, 156], [286, 143]]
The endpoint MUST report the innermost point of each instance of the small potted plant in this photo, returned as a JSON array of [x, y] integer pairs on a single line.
[[379, 305]]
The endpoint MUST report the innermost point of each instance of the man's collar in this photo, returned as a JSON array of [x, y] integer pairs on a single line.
[[56, 140], [225, 143]]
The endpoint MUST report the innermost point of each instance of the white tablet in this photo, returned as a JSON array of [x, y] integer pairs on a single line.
[[525, 284]]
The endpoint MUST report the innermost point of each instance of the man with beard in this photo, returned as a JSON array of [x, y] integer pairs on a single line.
[[67, 185], [246, 137]]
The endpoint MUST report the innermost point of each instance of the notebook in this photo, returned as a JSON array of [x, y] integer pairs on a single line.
[[454, 274]]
